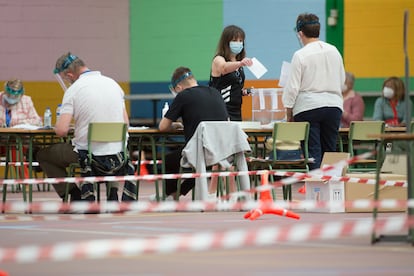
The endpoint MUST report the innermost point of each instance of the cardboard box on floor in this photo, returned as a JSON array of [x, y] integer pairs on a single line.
[[395, 164], [354, 191], [331, 191]]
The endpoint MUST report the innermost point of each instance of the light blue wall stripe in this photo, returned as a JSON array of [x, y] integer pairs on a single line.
[[269, 28]]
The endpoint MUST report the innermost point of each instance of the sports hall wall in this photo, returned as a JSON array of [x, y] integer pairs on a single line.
[[34, 33], [140, 42], [373, 44]]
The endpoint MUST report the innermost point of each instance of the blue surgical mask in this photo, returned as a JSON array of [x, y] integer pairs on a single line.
[[11, 101], [236, 47]]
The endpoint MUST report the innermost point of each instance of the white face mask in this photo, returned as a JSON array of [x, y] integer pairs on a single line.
[[388, 92], [344, 88], [10, 100]]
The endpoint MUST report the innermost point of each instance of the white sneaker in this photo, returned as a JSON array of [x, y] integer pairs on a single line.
[[153, 198], [169, 198], [212, 197]]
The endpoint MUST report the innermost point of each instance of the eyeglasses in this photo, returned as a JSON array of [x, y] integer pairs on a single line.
[[68, 61], [177, 81]]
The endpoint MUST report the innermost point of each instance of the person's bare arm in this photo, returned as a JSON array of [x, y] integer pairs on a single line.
[[165, 124], [126, 117], [221, 67], [289, 114], [63, 124]]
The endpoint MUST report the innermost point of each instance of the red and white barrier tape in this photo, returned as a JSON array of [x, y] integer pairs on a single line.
[[190, 206], [49, 217], [100, 249], [291, 177], [18, 164]]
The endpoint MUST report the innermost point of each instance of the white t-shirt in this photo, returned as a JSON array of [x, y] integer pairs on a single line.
[[317, 74], [94, 98]]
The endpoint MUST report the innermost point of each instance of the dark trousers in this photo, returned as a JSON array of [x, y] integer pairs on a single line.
[[323, 133], [107, 165], [172, 165], [55, 159]]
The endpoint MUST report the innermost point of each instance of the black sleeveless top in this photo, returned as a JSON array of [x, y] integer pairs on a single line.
[[230, 87]]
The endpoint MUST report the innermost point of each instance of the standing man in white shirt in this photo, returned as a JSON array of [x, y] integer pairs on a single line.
[[91, 97], [313, 90]]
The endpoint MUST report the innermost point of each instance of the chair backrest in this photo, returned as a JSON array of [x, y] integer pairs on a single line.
[[291, 131], [361, 130], [107, 132]]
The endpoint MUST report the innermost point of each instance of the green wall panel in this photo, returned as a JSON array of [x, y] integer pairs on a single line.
[[168, 34], [335, 34], [375, 84]]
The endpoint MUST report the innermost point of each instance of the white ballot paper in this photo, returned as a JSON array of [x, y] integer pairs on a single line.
[[257, 68], [284, 73]]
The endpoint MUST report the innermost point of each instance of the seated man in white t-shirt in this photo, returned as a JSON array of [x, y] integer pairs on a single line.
[[91, 97]]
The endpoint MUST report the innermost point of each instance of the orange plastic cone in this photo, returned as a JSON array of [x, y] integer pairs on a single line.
[[265, 195], [302, 189], [142, 170], [253, 214], [281, 212], [266, 206]]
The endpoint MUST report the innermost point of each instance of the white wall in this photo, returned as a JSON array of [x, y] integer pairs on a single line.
[[34, 33]]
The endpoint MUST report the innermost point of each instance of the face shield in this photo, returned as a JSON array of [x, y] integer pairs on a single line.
[[60, 81], [13, 96], [298, 36], [68, 61], [174, 84]]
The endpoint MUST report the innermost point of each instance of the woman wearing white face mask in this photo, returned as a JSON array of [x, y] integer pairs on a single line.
[[391, 106], [15, 107], [227, 74]]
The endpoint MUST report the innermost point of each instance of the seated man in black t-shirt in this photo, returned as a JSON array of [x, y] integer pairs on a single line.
[[194, 104]]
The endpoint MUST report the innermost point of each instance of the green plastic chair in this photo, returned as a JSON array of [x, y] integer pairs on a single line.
[[102, 132], [286, 131], [361, 140]]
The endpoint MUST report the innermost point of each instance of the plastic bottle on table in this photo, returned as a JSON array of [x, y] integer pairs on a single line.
[[47, 118], [165, 109]]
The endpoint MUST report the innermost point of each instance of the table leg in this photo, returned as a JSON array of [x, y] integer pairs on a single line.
[[409, 237], [380, 156], [410, 188]]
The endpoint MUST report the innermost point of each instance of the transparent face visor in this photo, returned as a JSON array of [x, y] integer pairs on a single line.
[[61, 82], [174, 84], [298, 36], [172, 90], [68, 61]]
